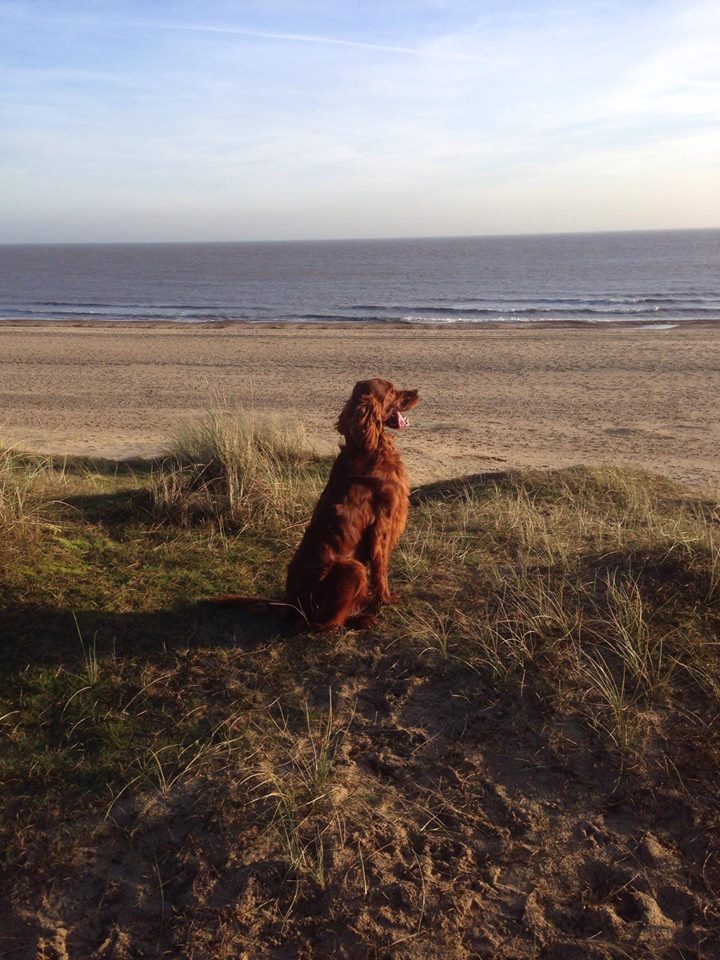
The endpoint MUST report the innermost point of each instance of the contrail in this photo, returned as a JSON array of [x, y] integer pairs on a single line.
[[293, 38]]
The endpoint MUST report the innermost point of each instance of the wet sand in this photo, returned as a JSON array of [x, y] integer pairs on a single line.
[[492, 398]]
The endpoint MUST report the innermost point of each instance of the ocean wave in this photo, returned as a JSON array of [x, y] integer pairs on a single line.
[[520, 310], [663, 277]]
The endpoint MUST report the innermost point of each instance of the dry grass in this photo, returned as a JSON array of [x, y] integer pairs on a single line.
[[27, 485], [611, 706], [237, 472], [294, 783], [594, 587]]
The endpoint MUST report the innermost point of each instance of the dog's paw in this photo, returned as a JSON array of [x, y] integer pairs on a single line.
[[392, 597], [363, 621]]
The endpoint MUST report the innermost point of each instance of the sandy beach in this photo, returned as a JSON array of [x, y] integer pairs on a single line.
[[492, 398]]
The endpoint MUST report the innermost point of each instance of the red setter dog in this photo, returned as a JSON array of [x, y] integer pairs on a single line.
[[339, 574]]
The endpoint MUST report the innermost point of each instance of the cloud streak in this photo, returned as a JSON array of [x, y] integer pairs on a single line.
[[449, 119], [424, 52]]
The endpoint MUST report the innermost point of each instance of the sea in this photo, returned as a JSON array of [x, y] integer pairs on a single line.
[[655, 277]]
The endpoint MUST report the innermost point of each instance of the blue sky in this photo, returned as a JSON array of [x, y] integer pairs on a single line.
[[296, 120]]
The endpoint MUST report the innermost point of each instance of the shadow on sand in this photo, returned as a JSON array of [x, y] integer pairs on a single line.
[[456, 488]]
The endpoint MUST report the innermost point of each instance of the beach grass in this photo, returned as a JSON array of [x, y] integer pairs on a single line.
[[182, 780], [239, 472]]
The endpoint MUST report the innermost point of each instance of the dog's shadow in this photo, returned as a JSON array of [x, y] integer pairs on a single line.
[[44, 635], [33, 635]]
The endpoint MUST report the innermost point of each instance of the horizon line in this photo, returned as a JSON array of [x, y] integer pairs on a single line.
[[363, 239]]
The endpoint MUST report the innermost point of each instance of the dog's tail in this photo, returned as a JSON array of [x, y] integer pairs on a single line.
[[256, 605]]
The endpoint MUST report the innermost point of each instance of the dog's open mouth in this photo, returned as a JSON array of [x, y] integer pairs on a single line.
[[396, 421]]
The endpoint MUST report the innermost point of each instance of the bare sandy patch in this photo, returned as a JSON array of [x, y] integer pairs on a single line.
[[541, 397]]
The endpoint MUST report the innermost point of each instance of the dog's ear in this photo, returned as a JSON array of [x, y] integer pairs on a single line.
[[360, 420]]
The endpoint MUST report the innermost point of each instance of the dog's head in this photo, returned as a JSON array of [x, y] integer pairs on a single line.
[[374, 405]]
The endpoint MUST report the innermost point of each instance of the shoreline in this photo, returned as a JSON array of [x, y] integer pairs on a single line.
[[25, 323], [494, 396]]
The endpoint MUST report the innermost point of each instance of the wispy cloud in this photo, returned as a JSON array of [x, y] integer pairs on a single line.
[[426, 52], [381, 119]]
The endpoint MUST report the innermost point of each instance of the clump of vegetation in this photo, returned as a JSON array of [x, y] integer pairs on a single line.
[[237, 472], [190, 781], [596, 587], [25, 484]]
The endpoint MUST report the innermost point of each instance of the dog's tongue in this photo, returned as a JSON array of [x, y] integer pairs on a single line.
[[401, 421]]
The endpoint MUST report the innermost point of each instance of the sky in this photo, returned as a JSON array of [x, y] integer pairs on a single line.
[[284, 119]]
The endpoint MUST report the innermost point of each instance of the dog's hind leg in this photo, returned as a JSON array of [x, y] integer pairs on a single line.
[[344, 594]]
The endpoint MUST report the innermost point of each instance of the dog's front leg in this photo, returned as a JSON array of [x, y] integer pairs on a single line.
[[379, 563]]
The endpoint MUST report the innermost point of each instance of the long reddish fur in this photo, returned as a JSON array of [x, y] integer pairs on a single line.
[[339, 573]]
